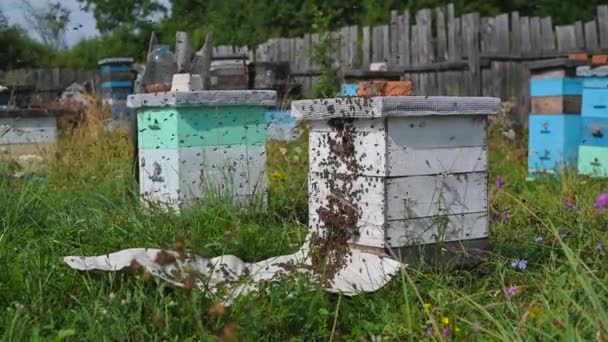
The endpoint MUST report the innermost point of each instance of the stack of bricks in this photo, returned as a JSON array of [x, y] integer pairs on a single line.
[[555, 120], [593, 149]]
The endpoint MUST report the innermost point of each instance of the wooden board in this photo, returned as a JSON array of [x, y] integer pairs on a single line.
[[602, 22], [159, 176], [425, 196], [432, 230], [516, 39], [370, 153], [555, 104], [403, 32], [366, 48], [547, 35], [433, 132], [566, 38], [442, 45], [28, 130], [526, 43], [368, 194], [412, 161]]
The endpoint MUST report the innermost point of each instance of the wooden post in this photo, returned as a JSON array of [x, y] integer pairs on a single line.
[[183, 52]]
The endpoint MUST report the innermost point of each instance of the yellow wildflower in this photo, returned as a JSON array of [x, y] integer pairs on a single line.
[[445, 320], [457, 329], [278, 176], [535, 312], [427, 306]]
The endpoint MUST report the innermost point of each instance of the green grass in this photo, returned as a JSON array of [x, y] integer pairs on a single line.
[[86, 205]]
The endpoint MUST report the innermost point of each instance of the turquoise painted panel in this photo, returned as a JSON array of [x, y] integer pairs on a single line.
[[595, 82], [281, 125], [201, 126], [230, 125], [556, 86], [106, 69], [117, 84], [553, 141], [594, 131], [593, 161], [349, 89], [595, 102], [157, 128]]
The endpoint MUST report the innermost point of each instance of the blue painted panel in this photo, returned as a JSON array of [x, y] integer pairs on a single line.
[[594, 131], [349, 89], [117, 84], [556, 86], [553, 141], [281, 125], [595, 102], [595, 82], [106, 69]]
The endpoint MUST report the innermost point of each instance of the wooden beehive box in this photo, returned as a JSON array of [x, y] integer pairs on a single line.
[[593, 149], [397, 173], [27, 136], [194, 144], [555, 116]]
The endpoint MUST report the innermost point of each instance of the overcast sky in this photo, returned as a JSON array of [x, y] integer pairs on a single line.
[[13, 10]]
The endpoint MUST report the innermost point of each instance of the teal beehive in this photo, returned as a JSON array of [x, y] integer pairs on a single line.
[[555, 121], [593, 149], [192, 144]]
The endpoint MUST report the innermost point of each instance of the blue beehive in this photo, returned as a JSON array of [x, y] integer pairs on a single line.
[[593, 150], [349, 89], [555, 121], [117, 79]]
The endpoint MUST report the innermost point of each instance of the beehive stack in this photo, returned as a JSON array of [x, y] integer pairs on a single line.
[[396, 173], [27, 136], [193, 144], [554, 123], [593, 150]]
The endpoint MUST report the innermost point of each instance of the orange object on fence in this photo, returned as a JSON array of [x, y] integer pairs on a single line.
[[385, 88], [578, 56], [599, 60]]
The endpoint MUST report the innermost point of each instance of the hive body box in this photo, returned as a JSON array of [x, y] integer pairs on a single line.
[[27, 136], [117, 82], [593, 150], [554, 123], [412, 171], [193, 144]]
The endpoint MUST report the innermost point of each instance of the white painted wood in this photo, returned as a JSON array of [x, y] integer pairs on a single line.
[[370, 153], [358, 125], [424, 196], [389, 106], [435, 132], [28, 130], [237, 169], [159, 176], [437, 229], [412, 162], [369, 199]]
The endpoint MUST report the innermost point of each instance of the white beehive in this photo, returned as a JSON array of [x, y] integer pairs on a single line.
[[391, 173]]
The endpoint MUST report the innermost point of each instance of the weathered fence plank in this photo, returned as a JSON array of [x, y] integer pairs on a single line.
[[566, 38], [515, 34], [442, 48], [404, 38], [591, 42], [366, 47], [547, 35], [602, 21]]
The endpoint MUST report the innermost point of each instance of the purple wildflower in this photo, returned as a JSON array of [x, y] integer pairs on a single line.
[[539, 239], [447, 331], [511, 291], [499, 183], [505, 218], [429, 331], [599, 246], [520, 264], [568, 203], [601, 201], [495, 217]]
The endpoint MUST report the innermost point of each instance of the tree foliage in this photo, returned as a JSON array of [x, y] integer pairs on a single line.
[[49, 21], [19, 50], [124, 14]]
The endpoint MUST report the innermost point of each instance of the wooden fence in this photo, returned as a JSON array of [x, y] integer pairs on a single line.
[[48, 84], [441, 53]]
